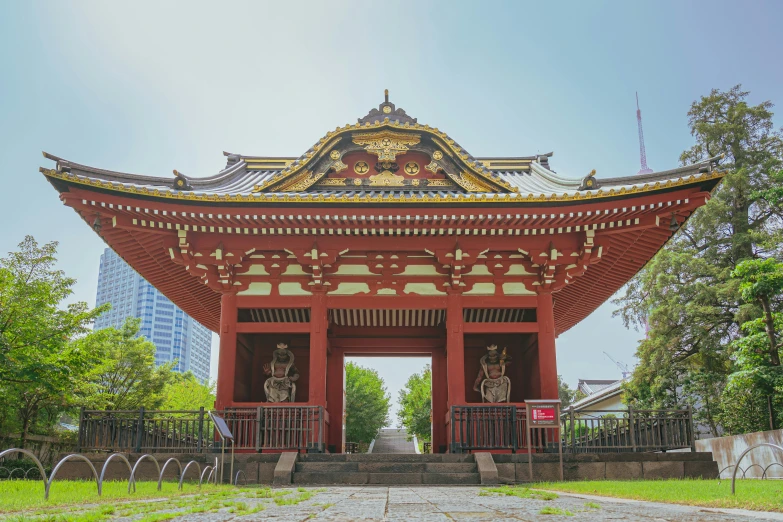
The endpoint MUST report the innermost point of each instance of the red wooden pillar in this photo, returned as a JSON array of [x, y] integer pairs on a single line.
[[439, 400], [227, 356], [547, 358], [318, 347], [335, 389], [455, 350]]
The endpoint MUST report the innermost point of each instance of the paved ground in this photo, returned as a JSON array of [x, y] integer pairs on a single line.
[[453, 503], [393, 441]]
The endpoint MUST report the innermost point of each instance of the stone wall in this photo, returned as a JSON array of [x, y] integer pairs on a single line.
[[606, 466], [728, 449], [44, 447]]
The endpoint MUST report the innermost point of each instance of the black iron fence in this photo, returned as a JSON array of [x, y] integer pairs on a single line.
[[484, 428], [147, 431], [627, 430], [597, 431], [291, 427]]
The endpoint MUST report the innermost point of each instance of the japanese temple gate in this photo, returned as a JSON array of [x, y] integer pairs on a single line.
[[385, 237]]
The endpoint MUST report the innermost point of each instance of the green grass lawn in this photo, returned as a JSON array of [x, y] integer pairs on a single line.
[[19, 495], [759, 495]]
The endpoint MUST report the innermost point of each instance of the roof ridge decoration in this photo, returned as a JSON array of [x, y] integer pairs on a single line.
[[386, 138], [386, 109]]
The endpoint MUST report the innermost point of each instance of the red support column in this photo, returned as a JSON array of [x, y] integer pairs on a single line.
[[318, 325], [335, 390], [439, 400], [547, 358], [224, 394], [455, 350]]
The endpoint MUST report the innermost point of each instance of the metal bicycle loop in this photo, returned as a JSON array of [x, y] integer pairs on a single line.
[[736, 466], [100, 478]]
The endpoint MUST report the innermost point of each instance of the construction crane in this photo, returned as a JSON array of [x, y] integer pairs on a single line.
[[622, 366]]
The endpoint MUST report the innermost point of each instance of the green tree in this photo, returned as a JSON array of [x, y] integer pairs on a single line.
[[753, 394], [35, 323], [366, 403], [415, 412], [774, 194], [39, 368], [686, 293], [185, 392], [124, 376], [566, 395]]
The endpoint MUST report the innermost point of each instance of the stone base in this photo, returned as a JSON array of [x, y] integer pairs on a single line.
[[606, 466], [414, 469]]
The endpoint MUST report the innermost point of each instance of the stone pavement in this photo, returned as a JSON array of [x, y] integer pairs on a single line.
[[463, 503], [393, 440]]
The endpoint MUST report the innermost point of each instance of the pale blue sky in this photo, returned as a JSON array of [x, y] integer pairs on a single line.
[[147, 87]]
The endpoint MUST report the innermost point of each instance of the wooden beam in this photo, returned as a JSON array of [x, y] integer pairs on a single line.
[[228, 351], [273, 328], [498, 328], [397, 344], [387, 331], [392, 302], [319, 323], [273, 301], [492, 301]]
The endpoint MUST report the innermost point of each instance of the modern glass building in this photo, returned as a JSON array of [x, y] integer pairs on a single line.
[[175, 334]]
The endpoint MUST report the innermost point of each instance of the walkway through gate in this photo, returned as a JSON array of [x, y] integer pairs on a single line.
[[393, 440]]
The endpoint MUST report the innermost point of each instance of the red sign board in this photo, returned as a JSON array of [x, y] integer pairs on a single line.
[[543, 414]]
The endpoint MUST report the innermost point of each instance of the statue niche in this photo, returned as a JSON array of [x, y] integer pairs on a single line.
[[492, 382], [280, 386]]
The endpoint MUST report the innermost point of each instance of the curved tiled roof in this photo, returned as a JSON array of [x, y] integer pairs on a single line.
[[260, 179], [532, 181]]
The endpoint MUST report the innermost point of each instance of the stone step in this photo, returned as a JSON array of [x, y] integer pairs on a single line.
[[332, 478], [358, 478], [386, 457], [323, 457], [448, 467], [324, 467], [387, 467]]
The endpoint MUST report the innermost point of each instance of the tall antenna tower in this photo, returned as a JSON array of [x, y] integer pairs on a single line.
[[642, 153]]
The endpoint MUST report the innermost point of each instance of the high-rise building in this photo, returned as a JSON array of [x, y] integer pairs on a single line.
[[175, 334]]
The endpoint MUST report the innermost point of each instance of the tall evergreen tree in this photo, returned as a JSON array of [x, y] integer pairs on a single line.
[[415, 413], [366, 403], [686, 293], [754, 395]]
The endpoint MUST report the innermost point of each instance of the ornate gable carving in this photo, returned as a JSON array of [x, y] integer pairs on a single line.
[[386, 144], [425, 155]]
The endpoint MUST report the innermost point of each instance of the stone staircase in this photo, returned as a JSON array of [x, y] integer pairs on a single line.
[[386, 469], [392, 440]]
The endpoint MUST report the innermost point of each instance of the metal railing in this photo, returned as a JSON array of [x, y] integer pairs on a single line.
[[291, 427], [260, 428], [483, 428], [601, 431], [597, 431]]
